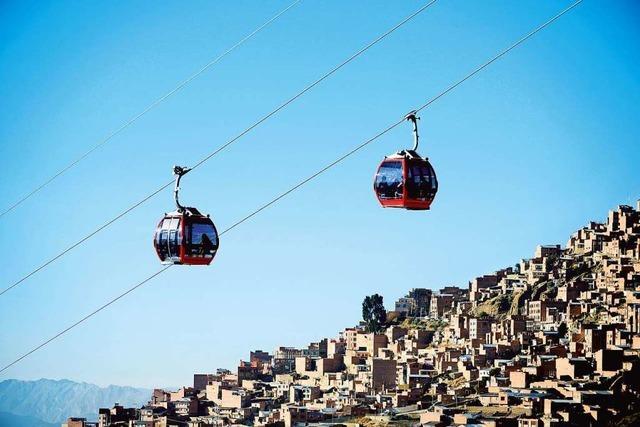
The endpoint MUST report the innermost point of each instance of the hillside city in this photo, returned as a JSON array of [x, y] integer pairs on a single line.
[[551, 341]]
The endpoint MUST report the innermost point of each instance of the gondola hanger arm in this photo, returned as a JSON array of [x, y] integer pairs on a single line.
[[179, 172], [413, 118]]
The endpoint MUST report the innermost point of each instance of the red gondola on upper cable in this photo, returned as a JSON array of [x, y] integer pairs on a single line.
[[406, 180], [185, 236]]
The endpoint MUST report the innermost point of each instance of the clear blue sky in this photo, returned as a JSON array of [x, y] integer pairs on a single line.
[[530, 150]]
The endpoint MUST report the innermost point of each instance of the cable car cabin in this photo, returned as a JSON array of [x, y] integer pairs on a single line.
[[186, 237], [406, 180]]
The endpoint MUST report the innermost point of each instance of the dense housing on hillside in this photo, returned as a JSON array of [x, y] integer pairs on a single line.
[[551, 341]]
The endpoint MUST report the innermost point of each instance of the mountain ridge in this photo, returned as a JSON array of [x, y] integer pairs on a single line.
[[51, 401]]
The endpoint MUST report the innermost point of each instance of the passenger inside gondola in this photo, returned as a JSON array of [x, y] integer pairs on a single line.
[[203, 241], [421, 182], [388, 183]]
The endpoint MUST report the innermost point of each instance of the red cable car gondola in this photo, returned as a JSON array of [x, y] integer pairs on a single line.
[[185, 236], [406, 180]]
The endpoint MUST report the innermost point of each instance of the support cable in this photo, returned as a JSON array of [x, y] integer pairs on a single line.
[[222, 147], [301, 183], [146, 110]]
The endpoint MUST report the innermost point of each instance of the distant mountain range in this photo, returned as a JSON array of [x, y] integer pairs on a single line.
[[38, 403]]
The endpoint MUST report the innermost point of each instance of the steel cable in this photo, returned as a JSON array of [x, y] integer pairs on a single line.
[[222, 147], [146, 110], [311, 177]]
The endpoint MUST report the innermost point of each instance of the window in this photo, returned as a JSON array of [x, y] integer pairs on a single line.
[[202, 240], [170, 223], [161, 238], [174, 243], [421, 180], [175, 222], [203, 231], [389, 180], [167, 238]]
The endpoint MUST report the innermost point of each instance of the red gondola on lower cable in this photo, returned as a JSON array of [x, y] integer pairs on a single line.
[[185, 236], [405, 179]]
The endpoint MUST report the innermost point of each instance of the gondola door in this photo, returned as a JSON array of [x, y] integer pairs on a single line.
[[174, 239]]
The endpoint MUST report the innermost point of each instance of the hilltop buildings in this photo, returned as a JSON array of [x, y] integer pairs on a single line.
[[552, 341]]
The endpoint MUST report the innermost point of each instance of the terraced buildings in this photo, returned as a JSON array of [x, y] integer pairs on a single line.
[[551, 341]]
